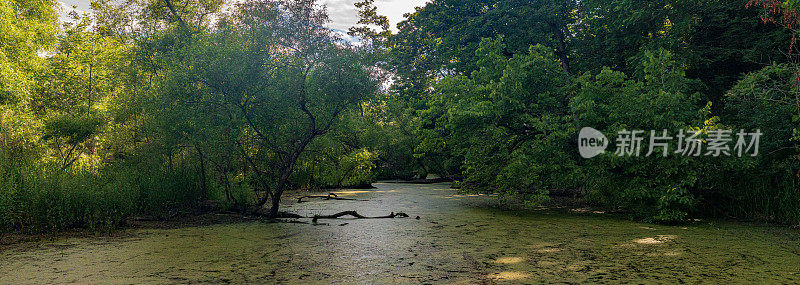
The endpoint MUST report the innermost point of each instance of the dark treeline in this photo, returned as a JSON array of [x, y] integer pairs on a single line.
[[495, 92], [153, 107]]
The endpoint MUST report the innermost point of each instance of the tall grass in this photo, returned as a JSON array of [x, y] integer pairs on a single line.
[[766, 192], [36, 197]]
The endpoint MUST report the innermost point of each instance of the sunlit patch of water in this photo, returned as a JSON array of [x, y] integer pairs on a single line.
[[353, 192], [668, 253], [549, 250], [655, 240], [509, 260], [509, 275]]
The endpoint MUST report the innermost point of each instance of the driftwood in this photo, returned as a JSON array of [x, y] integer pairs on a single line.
[[292, 217], [330, 196], [359, 216]]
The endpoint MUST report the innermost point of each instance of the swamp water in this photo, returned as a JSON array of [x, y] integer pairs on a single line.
[[456, 240]]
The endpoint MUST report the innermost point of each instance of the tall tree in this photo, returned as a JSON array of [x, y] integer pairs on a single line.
[[257, 91], [27, 31]]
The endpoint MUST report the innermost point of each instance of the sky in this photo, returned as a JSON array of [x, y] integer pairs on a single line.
[[343, 13]]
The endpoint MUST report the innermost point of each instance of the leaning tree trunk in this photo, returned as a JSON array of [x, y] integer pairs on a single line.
[[283, 180], [286, 173], [276, 200]]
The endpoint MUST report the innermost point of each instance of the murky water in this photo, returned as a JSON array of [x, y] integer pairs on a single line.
[[454, 241]]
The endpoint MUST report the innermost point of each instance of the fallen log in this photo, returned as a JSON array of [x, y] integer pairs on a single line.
[[330, 196], [358, 216]]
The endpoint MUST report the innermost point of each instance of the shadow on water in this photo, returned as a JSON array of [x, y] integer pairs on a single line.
[[454, 241]]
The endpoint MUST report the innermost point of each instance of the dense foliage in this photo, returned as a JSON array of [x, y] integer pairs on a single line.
[[498, 90], [154, 107], [148, 108]]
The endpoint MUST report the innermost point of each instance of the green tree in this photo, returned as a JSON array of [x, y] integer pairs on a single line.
[[27, 30], [257, 92], [502, 125], [74, 90], [650, 187]]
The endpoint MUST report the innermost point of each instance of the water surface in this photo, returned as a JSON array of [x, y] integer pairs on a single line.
[[455, 240]]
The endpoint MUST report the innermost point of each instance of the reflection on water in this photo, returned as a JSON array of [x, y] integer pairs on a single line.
[[456, 240]]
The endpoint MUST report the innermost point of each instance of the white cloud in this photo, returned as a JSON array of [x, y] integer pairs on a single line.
[[395, 9], [65, 7], [343, 13]]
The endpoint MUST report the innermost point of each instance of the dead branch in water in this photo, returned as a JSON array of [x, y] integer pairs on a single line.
[[359, 216], [354, 214], [330, 196]]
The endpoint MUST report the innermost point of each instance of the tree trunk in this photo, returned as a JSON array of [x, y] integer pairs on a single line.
[[276, 203], [276, 196], [286, 173], [561, 47], [283, 179]]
